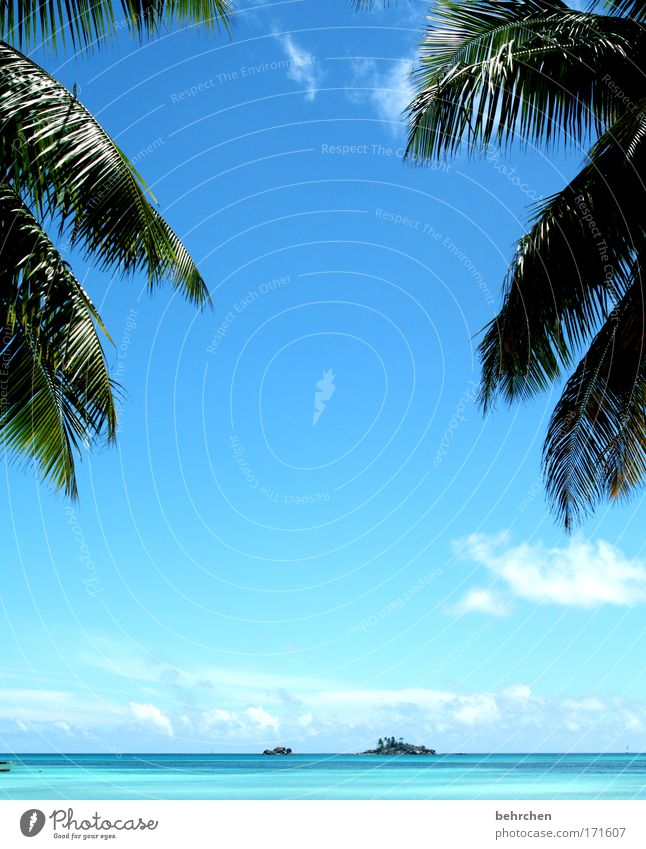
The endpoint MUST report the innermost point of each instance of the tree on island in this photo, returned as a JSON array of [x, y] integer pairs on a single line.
[[391, 746]]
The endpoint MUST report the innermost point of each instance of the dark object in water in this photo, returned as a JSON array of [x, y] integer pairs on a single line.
[[390, 746]]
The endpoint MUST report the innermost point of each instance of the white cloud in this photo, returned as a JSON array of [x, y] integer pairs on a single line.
[[262, 718], [590, 704], [55, 706], [518, 692], [480, 709], [250, 685], [355, 700], [511, 718], [388, 90], [302, 68], [579, 573], [219, 715], [233, 725], [151, 715], [18, 696], [633, 722], [479, 600], [248, 709]]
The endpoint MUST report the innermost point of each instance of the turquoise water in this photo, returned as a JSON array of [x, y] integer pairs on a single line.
[[324, 777]]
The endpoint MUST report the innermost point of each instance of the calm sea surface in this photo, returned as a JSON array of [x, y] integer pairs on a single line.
[[621, 776]]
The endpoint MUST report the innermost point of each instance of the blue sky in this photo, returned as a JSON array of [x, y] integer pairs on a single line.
[[308, 534]]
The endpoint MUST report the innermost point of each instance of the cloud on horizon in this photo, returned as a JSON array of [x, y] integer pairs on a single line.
[[342, 720], [150, 715]]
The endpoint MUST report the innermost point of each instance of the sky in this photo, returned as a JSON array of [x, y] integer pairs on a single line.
[[308, 533]]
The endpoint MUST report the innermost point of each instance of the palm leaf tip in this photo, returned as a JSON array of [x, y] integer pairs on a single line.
[[596, 442], [174, 262], [635, 9], [58, 395]]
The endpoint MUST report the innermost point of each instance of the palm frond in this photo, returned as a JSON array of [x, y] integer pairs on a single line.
[[570, 269], [57, 392], [56, 154], [596, 441], [84, 23], [635, 9], [537, 71]]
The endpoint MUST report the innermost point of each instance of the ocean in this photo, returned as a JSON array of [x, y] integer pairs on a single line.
[[553, 776]]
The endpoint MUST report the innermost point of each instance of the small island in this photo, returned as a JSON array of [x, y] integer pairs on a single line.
[[390, 746], [279, 750]]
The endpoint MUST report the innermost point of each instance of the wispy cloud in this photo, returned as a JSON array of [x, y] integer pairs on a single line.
[[519, 692], [302, 67], [341, 720], [478, 710], [385, 85], [578, 574], [479, 600], [590, 704], [143, 707], [229, 724], [152, 716], [262, 718]]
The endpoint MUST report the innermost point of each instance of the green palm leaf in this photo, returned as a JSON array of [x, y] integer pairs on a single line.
[[55, 153], [58, 167], [570, 269], [58, 394], [493, 71], [596, 445], [632, 8], [541, 72], [85, 22]]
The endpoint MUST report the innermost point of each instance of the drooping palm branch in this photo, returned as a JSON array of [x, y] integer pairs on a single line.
[[59, 169], [532, 71], [570, 269], [635, 9], [539, 72], [595, 446], [57, 394], [56, 154], [85, 23]]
